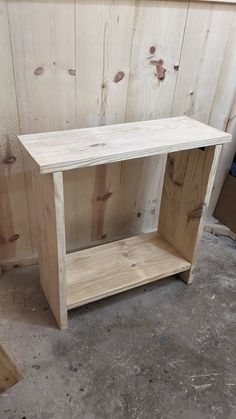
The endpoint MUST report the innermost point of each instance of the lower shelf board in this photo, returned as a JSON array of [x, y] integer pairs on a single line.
[[108, 269]]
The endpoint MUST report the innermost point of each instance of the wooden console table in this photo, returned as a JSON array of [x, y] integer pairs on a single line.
[[71, 280]]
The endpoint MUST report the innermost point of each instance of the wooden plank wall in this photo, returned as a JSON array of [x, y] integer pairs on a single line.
[[73, 63]]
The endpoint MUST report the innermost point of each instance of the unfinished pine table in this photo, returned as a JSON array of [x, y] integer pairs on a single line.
[[71, 280]]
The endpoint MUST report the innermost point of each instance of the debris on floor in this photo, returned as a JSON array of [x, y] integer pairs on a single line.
[[162, 351]]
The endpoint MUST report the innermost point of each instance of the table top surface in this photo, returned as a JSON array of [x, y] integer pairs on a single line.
[[70, 149]]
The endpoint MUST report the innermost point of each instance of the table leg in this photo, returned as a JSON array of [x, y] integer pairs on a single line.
[[52, 248]]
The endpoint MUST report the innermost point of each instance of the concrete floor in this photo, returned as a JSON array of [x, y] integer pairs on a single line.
[[162, 351]]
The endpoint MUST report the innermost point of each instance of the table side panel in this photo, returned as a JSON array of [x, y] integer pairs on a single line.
[[186, 192], [52, 248]]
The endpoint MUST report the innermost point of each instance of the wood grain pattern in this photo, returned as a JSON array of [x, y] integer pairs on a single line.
[[150, 97], [9, 375], [200, 66], [149, 186], [223, 113], [14, 228], [43, 47], [72, 64], [114, 267], [187, 188], [78, 187], [188, 276], [81, 277], [103, 45], [64, 150], [51, 242]]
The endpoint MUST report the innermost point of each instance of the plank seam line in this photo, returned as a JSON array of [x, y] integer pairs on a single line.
[[19, 127], [218, 80], [130, 58], [180, 57]]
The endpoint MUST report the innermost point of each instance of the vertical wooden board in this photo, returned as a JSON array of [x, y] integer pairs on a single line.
[[226, 159], [78, 185], [194, 200], [95, 196], [201, 59], [176, 165], [226, 87], [42, 39], [51, 242], [43, 45], [188, 276], [187, 188], [149, 181], [14, 229], [107, 220], [129, 180], [156, 47], [223, 113], [103, 45], [158, 36]]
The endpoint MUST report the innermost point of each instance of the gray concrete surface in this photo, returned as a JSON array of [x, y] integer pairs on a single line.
[[163, 351]]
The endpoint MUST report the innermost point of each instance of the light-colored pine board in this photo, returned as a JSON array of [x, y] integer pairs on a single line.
[[187, 188], [150, 97], [43, 44], [226, 87], [108, 202], [127, 208], [42, 33], [9, 375], [200, 65], [183, 199], [43, 48], [64, 150], [78, 187], [226, 159], [147, 201], [18, 262], [51, 242], [172, 193], [111, 268], [188, 276], [103, 46], [99, 204], [14, 228], [224, 111]]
